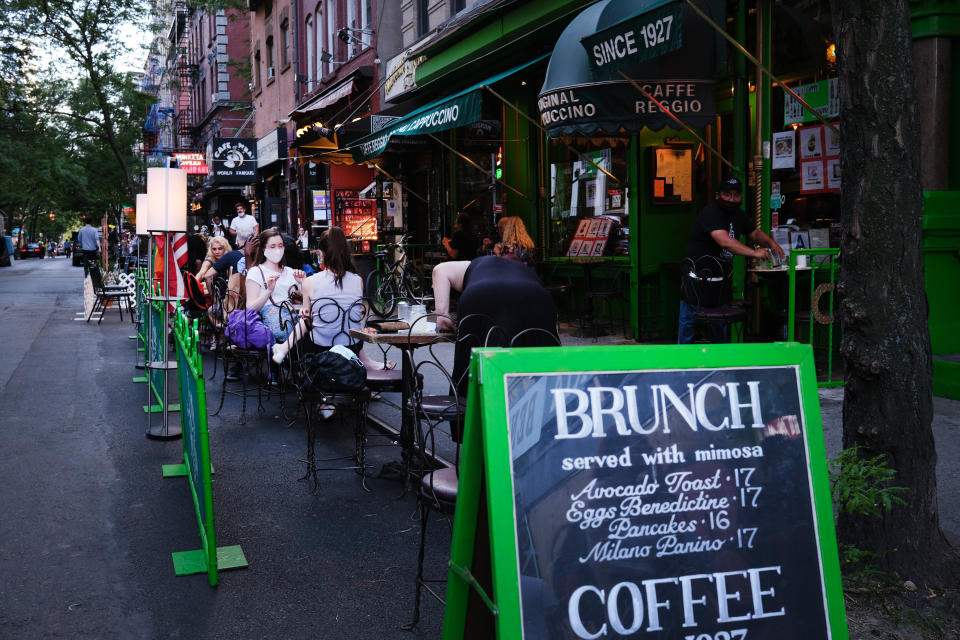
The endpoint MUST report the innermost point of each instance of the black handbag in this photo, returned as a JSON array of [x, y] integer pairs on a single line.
[[706, 282], [328, 371]]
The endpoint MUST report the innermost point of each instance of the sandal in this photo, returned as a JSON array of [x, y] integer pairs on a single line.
[[374, 396]]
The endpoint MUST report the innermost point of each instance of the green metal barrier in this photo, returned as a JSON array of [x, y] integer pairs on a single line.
[[822, 293], [140, 304], [196, 459]]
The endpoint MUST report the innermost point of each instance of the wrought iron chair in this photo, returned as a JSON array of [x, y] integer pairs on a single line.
[[312, 396], [250, 364], [106, 295], [707, 285]]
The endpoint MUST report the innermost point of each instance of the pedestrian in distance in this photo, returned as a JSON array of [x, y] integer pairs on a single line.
[[89, 239], [243, 223]]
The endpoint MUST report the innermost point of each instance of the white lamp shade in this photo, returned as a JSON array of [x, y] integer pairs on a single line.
[[143, 212], [167, 199]]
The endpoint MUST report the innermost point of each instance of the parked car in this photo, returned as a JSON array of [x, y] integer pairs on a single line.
[[31, 250], [77, 256]]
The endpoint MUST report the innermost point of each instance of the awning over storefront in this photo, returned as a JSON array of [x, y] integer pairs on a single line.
[[325, 99], [457, 110], [585, 93]]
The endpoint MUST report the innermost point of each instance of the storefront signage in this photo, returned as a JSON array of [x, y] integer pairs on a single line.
[[271, 147], [822, 96], [321, 205], [234, 160], [648, 35], [609, 105], [401, 75], [194, 163], [687, 499], [451, 113]]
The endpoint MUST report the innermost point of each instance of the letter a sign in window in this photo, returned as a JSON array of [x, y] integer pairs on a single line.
[[665, 492]]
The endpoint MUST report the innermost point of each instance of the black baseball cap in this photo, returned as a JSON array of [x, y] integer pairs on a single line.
[[730, 184]]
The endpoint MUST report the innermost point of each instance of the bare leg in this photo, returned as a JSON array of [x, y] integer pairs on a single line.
[[281, 350], [370, 363]]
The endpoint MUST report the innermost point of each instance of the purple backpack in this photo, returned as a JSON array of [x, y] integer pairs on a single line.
[[246, 330]]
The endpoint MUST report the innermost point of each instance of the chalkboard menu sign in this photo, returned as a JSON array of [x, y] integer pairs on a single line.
[[660, 501]]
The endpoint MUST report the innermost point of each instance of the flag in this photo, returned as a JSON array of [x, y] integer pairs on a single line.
[[175, 286]]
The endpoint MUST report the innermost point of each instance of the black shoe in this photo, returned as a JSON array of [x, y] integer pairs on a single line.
[[235, 373]]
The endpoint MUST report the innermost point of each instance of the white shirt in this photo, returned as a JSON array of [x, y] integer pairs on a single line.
[[244, 224], [281, 291], [328, 326]]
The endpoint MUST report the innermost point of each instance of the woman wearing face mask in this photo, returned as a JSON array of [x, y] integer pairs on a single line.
[[270, 283], [338, 281]]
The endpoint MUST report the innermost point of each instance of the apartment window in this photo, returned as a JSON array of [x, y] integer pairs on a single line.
[[351, 24], [331, 32], [366, 20], [423, 17], [457, 6], [285, 43], [257, 74], [271, 66], [311, 48], [319, 35]]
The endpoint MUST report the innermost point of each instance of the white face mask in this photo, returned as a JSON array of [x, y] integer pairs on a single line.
[[241, 213], [273, 255]]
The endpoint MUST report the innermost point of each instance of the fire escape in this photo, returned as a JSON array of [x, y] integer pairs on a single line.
[[187, 70]]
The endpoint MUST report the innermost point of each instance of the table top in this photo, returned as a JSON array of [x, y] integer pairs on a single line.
[[400, 338], [781, 269]]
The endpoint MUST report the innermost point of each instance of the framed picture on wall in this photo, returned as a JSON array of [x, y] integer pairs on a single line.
[[833, 173], [811, 175], [672, 180], [832, 140], [783, 150], [811, 142]]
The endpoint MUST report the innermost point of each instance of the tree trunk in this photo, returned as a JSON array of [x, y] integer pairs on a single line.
[[888, 401]]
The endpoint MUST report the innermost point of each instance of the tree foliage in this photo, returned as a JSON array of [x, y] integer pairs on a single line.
[[70, 120]]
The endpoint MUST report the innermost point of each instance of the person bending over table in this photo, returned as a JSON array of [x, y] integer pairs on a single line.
[[337, 281], [505, 290], [715, 234]]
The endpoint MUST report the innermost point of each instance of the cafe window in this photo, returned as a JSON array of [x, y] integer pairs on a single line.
[[587, 186]]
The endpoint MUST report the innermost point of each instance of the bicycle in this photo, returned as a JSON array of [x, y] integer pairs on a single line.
[[395, 278]]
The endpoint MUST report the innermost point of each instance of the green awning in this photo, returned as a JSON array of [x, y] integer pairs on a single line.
[[454, 111]]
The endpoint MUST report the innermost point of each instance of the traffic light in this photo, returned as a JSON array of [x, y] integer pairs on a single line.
[[498, 172], [52, 216]]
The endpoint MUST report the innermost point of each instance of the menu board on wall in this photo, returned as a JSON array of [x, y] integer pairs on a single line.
[[689, 501], [819, 159], [356, 216]]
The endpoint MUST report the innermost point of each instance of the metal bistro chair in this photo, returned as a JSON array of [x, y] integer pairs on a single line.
[[253, 362], [313, 395], [106, 295], [707, 284]]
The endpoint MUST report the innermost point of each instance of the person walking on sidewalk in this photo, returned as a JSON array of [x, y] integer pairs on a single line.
[[247, 225], [89, 240]]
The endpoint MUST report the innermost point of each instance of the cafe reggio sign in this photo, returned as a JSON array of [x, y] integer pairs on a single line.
[[622, 66]]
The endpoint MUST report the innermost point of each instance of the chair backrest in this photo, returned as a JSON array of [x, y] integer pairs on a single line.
[[332, 320], [706, 282], [96, 278]]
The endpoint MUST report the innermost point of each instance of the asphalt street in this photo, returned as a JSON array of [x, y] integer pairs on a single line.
[[88, 523]]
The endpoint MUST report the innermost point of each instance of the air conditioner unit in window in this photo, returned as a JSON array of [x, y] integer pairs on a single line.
[[271, 73]]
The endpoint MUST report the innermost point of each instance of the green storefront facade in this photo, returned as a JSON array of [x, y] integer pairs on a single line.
[[749, 109]]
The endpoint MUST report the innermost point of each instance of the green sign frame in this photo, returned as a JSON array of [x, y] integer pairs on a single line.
[[637, 39], [196, 465], [484, 587]]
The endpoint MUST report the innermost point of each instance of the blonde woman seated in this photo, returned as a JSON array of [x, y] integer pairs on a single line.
[[338, 281], [216, 248], [515, 243], [270, 283]]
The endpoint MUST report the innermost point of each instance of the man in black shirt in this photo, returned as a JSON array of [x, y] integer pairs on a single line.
[[463, 245], [714, 235]]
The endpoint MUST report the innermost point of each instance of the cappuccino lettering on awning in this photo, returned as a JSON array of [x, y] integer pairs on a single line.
[[604, 105], [643, 37]]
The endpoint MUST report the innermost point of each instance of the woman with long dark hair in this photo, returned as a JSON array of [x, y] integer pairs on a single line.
[[270, 283]]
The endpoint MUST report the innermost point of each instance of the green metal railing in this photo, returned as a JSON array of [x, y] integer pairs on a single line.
[[824, 267]]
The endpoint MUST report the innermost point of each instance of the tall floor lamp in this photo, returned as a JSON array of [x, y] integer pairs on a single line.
[[167, 213]]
